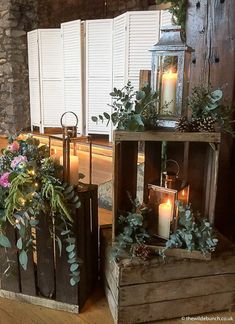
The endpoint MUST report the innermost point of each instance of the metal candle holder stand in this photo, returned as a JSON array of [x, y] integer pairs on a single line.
[[69, 136]]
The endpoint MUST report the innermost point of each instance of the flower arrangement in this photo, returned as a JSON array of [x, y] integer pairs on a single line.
[[31, 188]]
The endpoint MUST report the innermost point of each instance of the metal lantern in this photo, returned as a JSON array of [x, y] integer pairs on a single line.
[[169, 59], [63, 147], [162, 202]]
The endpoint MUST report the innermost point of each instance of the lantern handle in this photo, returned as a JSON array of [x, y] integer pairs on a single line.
[[68, 112], [177, 164]]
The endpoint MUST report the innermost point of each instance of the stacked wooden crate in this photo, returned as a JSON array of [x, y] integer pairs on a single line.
[[139, 291], [46, 280]]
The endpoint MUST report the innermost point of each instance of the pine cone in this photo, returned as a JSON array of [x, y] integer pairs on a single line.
[[207, 124], [143, 251], [194, 124], [182, 124]]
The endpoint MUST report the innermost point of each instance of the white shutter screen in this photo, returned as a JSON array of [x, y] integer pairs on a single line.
[[34, 76], [72, 64], [52, 105], [166, 18], [143, 33], [119, 51], [98, 72]]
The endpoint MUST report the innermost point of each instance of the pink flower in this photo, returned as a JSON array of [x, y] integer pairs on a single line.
[[14, 147], [4, 180], [17, 160]]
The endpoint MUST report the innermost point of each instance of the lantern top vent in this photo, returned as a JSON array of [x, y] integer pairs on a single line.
[[171, 40]]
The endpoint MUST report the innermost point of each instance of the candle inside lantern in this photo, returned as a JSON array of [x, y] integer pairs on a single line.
[[168, 93], [74, 176], [165, 215]]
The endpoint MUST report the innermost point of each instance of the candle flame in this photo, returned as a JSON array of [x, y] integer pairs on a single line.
[[183, 193], [168, 202]]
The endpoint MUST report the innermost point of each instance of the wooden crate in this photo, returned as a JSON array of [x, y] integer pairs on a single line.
[[140, 292], [196, 153], [46, 280]]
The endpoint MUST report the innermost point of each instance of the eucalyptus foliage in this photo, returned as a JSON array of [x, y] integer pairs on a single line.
[[178, 9], [203, 103], [193, 233], [31, 189], [131, 232], [131, 110]]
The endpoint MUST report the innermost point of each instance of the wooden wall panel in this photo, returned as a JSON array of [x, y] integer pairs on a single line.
[[210, 31]]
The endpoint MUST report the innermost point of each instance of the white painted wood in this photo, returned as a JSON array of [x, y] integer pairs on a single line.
[[98, 72], [34, 85], [134, 34], [166, 18], [72, 71], [51, 74], [45, 77]]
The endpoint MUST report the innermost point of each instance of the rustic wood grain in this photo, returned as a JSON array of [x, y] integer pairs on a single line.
[[174, 308], [45, 259], [167, 136], [176, 289], [152, 165], [11, 280]]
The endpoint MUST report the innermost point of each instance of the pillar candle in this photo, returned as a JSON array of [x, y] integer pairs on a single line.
[[168, 94], [164, 219]]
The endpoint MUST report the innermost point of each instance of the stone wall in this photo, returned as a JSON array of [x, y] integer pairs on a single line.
[[52, 13], [16, 18]]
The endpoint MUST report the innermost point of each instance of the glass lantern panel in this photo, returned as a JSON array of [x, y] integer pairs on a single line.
[[167, 75], [183, 195], [162, 204]]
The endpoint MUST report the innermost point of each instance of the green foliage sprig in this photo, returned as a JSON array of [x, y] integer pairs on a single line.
[[193, 233], [178, 9], [203, 102], [131, 232], [132, 110], [30, 188]]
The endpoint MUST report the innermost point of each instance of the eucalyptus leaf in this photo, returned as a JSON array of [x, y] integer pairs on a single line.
[[70, 248], [4, 241], [23, 259], [74, 267], [19, 243]]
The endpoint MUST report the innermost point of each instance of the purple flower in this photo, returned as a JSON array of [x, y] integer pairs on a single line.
[[17, 160], [4, 180]]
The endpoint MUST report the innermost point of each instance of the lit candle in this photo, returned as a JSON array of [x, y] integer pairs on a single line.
[[165, 215], [168, 95], [74, 176]]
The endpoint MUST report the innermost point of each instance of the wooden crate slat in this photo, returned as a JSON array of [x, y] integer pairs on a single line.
[[152, 165], [88, 238], [176, 289], [11, 281], [45, 259], [82, 289], [28, 277], [94, 220], [197, 175], [175, 308], [125, 176], [167, 136], [64, 291]]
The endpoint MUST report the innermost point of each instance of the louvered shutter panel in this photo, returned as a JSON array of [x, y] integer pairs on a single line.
[[52, 102], [166, 18], [72, 71], [119, 51], [98, 72], [34, 85], [143, 33]]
